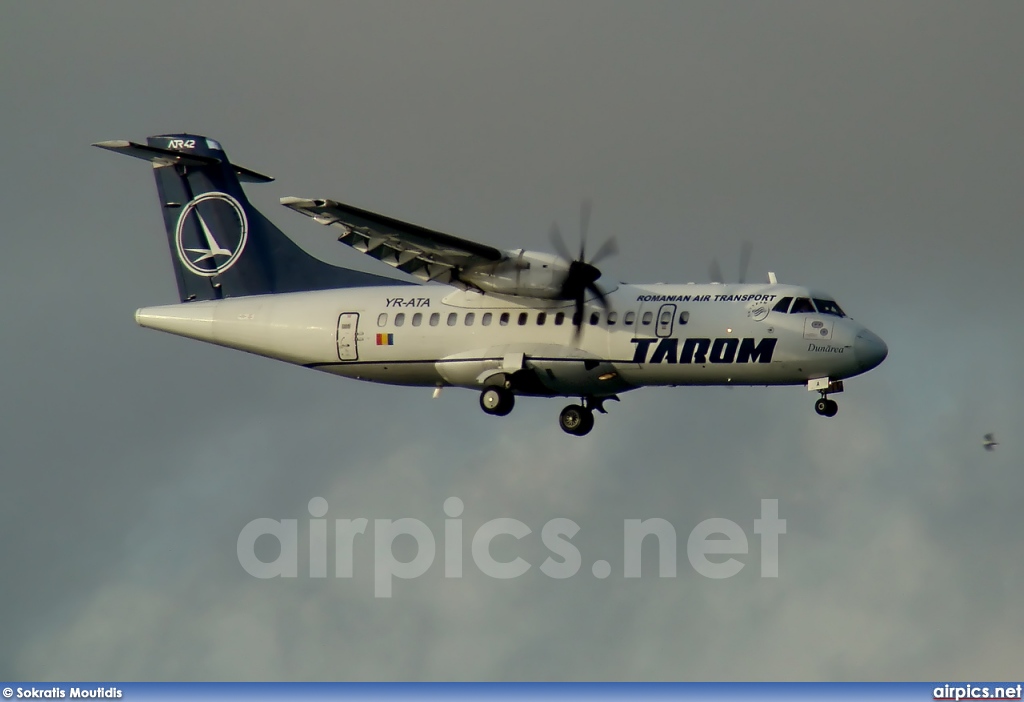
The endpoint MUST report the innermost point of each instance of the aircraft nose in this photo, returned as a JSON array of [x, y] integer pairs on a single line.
[[869, 350]]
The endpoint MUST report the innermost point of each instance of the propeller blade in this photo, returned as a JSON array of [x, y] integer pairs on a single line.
[[601, 297], [715, 272], [559, 243], [582, 275], [584, 226], [577, 317], [745, 251], [608, 248]]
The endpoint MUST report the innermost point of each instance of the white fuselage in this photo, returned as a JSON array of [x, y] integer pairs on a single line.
[[435, 335]]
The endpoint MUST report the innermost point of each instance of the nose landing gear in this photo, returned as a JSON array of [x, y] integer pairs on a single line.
[[826, 407]]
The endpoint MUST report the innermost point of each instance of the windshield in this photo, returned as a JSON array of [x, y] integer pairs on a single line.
[[783, 305], [828, 307], [802, 304]]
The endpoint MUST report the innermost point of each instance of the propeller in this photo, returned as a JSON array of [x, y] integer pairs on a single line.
[[715, 270], [582, 275]]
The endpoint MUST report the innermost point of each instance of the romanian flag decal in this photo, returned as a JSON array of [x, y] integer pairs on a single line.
[[385, 340]]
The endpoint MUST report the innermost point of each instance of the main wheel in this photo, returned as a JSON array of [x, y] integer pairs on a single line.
[[497, 401], [576, 420], [821, 407], [833, 407], [588, 423]]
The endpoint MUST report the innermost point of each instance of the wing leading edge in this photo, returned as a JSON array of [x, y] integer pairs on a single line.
[[423, 253]]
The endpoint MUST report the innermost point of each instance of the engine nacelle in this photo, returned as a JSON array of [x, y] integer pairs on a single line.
[[525, 273]]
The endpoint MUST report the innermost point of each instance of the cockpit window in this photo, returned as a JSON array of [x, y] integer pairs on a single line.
[[782, 305], [828, 307], [802, 304]]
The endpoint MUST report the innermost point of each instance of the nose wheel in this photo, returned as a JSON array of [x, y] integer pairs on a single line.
[[826, 407]]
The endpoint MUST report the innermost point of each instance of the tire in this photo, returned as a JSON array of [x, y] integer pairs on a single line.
[[576, 420], [496, 400], [821, 407], [588, 424]]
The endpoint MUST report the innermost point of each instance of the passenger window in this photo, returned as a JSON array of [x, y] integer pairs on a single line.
[[523, 316], [684, 317], [453, 318], [382, 319], [576, 318], [801, 305], [666, 318], [594, 318], [541, 318], [612, 317], [435, 319], [629, 319], [828, 307], [469, 319], [559, 318], [486, 319], [782, 305], [504, 319], [647, 318], [400, 319], [417, 319]]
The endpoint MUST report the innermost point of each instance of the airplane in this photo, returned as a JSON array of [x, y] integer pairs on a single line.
[[990, 442], [505, 323]]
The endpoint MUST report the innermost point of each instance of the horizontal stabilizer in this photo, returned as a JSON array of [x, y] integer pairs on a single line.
[[170, 157], [247, 175], [160, 157]]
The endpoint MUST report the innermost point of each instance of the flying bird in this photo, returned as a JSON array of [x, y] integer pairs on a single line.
[[990, 442]]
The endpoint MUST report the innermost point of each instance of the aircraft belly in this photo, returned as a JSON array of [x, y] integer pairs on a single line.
[[569, 378], [467, 372], [711, 374], [415, 373], [536, 368]]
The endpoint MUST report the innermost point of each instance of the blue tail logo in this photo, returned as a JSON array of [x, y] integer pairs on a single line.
[[211, 233]]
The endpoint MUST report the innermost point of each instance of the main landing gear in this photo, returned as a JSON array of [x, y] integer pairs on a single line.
[[576, 420], [497, 400]]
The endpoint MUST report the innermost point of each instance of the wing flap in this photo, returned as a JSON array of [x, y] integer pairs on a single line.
[[423, 253]]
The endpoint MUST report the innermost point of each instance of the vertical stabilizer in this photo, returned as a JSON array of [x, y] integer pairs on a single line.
[[221, 246]]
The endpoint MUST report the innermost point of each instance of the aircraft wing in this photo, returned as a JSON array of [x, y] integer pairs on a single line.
[[423, 253]]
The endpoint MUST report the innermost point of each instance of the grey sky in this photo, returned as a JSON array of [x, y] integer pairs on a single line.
[[872, 149]]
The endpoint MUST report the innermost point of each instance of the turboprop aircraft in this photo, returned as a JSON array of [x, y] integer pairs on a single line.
[[505, 323]]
